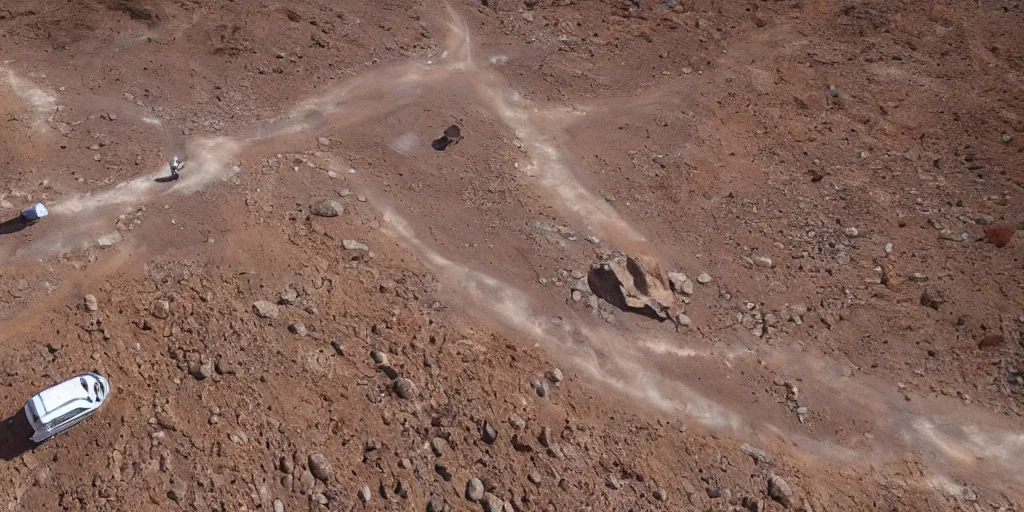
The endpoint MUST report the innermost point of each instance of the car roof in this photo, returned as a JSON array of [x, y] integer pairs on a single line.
[[53, 398]]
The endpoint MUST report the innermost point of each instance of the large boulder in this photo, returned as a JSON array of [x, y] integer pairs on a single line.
[[634, 283]]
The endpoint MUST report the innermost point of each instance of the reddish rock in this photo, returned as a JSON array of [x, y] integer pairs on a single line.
[[941, 14], [999, 234], [992, 340]]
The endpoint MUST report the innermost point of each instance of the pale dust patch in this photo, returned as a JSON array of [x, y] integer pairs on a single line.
[[405, 144], [40, 101]]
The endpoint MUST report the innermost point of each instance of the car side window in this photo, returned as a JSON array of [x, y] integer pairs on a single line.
[[64, 418]]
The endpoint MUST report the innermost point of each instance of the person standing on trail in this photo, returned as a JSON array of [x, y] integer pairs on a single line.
[[175, 165]]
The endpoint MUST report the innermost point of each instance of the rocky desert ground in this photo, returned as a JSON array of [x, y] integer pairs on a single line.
[[515, 255]]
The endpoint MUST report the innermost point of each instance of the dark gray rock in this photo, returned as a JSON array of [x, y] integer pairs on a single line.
[[327, 208]]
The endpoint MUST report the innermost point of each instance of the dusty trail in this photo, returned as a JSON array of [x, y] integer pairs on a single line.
[[950, 444]]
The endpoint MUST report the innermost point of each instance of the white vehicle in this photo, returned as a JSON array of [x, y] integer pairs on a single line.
[[34, 212], [63, 406]]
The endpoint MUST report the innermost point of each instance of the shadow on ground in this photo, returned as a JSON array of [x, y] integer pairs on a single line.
[[15, 436], [13, 225]]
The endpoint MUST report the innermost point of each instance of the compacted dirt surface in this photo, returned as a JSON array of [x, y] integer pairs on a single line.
[[679, 255]]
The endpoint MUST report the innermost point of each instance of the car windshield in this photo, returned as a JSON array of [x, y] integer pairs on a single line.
[[65, 418]]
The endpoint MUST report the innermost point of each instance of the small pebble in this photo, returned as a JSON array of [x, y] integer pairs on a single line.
[[539, 387], [405, 388], [435, 505], [684, 320], [516, 422], [555, 375], [612, 482], [763, 261], [779, 490], [703, 278], [364, 494], [545, 437], [474, 490], [487, 433]]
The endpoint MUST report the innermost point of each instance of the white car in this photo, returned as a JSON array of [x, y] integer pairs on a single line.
[[63, 406]]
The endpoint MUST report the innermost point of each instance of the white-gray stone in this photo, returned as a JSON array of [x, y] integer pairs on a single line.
[[320, 467], [265, 309], [779, 490], [680, 283], [108, 240], [474, 490], [354, 245], [684, 320]]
